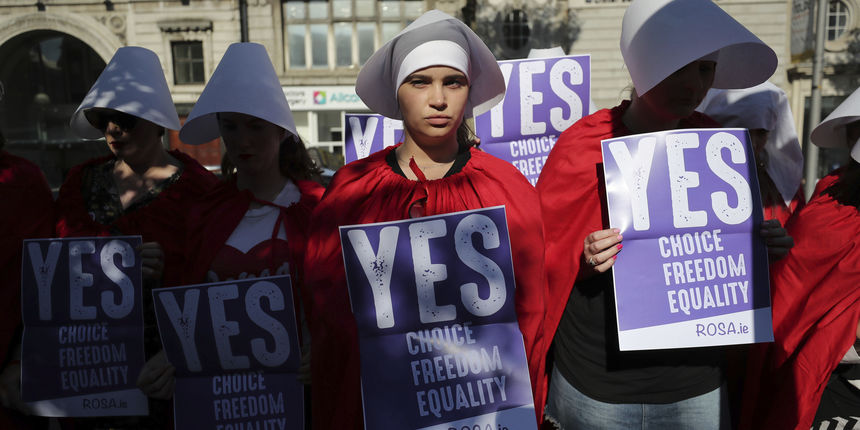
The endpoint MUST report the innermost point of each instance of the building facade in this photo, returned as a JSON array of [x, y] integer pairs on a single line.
[[53, 51]]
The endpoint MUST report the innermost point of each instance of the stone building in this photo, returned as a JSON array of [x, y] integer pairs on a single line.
[[53, 50]]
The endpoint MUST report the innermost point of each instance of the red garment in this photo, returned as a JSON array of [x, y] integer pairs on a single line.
[[573, 198], [214, 218], [28, 213], [777, 209], [162, 220], [816, 307], [368, 191]]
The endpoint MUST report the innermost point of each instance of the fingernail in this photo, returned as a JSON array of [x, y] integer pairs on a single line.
[[620, 246], [620, 237], [614, 257], [616, 230]]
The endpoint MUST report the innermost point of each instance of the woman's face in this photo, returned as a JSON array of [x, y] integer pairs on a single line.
[[678, 95], [432, 103], [252, 143], [131, 139]]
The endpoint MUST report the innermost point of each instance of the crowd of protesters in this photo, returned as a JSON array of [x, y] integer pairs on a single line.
[[692, 66]]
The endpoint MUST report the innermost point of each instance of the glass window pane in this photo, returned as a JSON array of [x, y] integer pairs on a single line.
[[187, 61], [328, 126], [389, 9], [318, 9], [365, 41], [389, 30], [341, 8], [319, 45], [413, 9], [197, 71], [294, 10], [365, 8], [297, 45], [343, 43]]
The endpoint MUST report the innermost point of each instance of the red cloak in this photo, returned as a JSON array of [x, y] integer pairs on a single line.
[[368, 191], [573, 198], [28, 213], [162, 220], [816, 307], [213, 219]]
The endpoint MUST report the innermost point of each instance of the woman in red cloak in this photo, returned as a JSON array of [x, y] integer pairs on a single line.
[[810, 374], [139, 189], [675, 51], [255, 223], [432, 75], [28, 214]]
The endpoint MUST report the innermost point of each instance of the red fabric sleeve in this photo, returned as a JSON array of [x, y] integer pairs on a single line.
[[816, 308], [368, 191], [28, 214]]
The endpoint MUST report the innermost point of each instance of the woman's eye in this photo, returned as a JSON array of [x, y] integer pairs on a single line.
[[455, 83]]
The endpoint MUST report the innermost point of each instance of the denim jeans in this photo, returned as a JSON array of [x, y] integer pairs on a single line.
[[569, 409]]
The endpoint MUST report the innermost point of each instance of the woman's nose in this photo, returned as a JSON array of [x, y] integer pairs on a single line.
[[437, 97]]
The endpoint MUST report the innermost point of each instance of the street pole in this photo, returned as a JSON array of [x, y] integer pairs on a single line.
[[243, 20], [811, 156]]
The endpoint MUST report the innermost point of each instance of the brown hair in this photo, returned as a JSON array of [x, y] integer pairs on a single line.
[[294, 162], [465, 136]]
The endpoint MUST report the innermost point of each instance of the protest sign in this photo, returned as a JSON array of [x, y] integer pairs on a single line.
[[368, 133], [544, 97], [82, 348], [235, 348], [439, 341], [693, 270]]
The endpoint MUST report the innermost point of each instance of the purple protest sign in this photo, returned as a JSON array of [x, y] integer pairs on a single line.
[[82, 348], [693, 271], [365, 134], [544, 97], [235, 348], [433, 300]]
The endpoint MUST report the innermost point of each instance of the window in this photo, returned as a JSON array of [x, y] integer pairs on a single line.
[[515, 29], [837, 19], [329, 126], [342, 33], [188, 63]]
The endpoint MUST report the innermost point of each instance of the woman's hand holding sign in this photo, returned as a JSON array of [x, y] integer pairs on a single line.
[[157, 379], [776, 238], [151, 260], [599, 252]]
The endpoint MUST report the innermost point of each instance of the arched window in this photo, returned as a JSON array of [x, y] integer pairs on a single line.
[[838, 17], [46, 75]]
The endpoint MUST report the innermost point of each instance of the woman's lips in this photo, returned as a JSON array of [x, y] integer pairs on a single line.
[[438, 120]]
